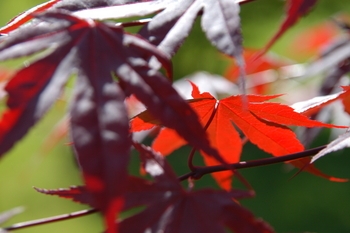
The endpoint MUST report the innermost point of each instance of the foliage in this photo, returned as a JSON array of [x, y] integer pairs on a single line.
[[115, 71]]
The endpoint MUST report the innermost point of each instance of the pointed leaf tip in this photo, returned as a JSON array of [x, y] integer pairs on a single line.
[[295, 10], [343, 141]]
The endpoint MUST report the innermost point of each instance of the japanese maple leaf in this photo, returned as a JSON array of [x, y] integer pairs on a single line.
[[98, 118], [170, 208], [169, 28], [262, 123]]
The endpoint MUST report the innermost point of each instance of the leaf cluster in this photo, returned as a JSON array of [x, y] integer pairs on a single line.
[[116, 70]]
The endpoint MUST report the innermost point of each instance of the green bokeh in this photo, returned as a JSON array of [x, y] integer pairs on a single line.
[[303, 204]]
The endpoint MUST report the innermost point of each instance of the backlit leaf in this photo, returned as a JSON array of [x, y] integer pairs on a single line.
[[264, 124]]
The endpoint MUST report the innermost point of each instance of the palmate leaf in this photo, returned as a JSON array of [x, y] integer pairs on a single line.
[[264, 124], [170, 208], [223, 32], [99, 121], [169, 28]]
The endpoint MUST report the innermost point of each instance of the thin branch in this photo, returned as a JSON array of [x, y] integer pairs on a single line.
[[200, 171], [49, 219], [190, 160]]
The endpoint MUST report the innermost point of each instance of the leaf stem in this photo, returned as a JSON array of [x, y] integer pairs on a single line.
[[190, 160], [49, 219], [200, 171]]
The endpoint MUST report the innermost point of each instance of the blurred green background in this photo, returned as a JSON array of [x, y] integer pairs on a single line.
[[303, 204]]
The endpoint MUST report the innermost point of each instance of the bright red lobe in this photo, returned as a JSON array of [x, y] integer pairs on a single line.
[[264, 124]]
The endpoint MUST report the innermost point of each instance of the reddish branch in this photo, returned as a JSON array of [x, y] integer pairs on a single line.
[[200, 171], [49, 219]]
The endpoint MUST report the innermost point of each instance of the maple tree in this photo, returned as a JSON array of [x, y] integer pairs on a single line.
[[116, 71]]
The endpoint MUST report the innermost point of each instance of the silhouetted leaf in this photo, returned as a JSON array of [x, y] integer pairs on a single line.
[[98, 118], [170, 208]]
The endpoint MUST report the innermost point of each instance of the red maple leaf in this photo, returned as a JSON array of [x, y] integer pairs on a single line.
[[99, 124], [264, 124], [170, 208]]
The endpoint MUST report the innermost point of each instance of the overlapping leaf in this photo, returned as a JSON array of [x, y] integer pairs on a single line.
[[343, 141], [99, 121], [315, 104], [262, 123], [169, 28], [169, 208]]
